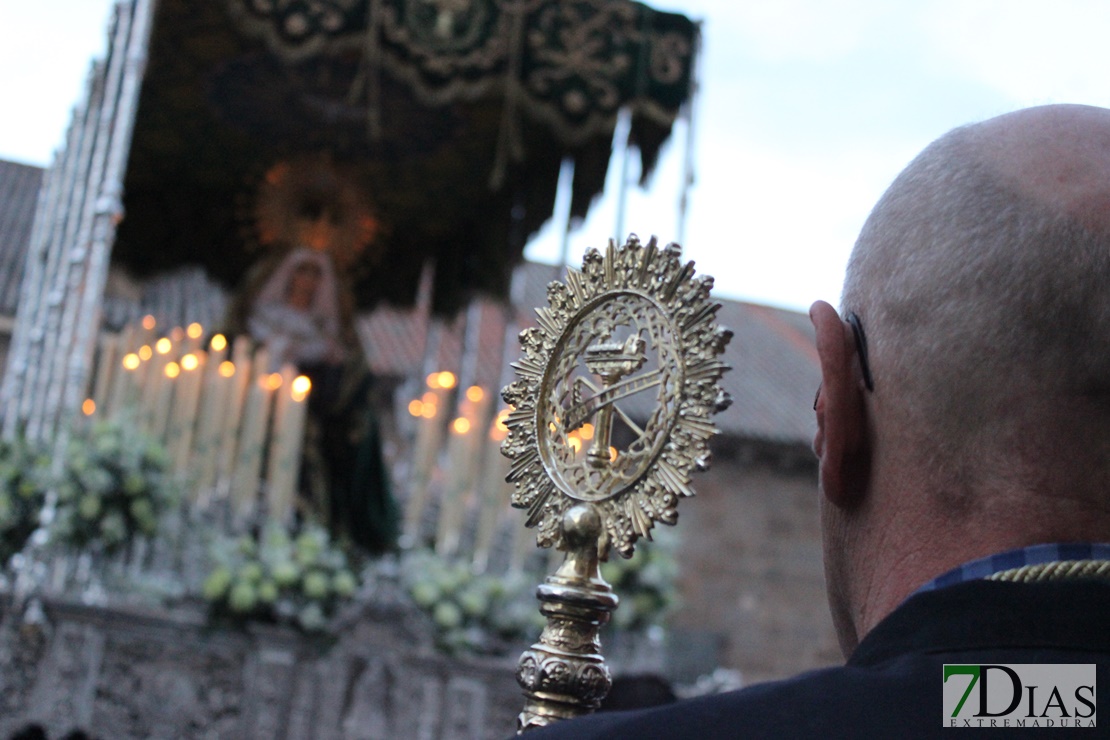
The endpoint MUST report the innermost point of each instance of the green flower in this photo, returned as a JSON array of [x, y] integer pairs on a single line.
[[447, 615], [134, 484], [267, 592], [251, 572], [315, 585], [307, 548], [246, 547], [473, 603], [344, 583], [142, 510], [113, 529], [425, 593], [217, 583], [154, 456], [89, 506], [285, 573], [243, 597]]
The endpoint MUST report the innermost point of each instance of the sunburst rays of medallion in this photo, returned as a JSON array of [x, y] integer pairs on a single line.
[[634, 289]]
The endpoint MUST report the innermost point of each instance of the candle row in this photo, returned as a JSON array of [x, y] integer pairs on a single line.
[[216, 407], [473, 468]]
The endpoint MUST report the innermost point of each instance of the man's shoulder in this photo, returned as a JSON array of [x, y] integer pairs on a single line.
[[813, 704], [892, 686]]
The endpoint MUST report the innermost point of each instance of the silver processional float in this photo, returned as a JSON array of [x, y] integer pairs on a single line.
[[631, 334]]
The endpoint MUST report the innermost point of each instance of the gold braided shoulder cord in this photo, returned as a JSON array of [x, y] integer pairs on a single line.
[[1056, 570]]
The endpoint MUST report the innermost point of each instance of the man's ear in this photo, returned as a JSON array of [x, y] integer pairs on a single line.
[[841, 441]]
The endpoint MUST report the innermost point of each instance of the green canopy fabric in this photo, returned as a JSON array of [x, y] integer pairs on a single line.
[[425, 129]]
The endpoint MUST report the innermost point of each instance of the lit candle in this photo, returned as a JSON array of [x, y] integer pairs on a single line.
[[212, 399], [285, 449], [494, 492], [149, 324], [114, 398], [164, 402], [210, 443], [162, 354], [106, 362], [183, 421], [233, 410], [194, 333], [252, 439], [430, 410], [464, 438]]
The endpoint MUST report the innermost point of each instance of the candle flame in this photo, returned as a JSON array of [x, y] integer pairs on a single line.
[[301, 386], [499, 431], [145, 352], [460, 425], [475, 393], [189, 362], [416, 407], [428, 411], [575, 442], [172, 370], [177, 334], [149, 322], [131, 361], [88, 408], [586, 431], [612, 454], [447, 380], [226, 368], [163, 346], [270, 382], [219, 342], [194, 330]]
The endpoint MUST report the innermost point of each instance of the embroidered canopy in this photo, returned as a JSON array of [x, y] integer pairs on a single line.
[[405, 130]]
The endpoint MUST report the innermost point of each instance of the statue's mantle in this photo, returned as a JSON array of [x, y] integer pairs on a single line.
[[132, 672]]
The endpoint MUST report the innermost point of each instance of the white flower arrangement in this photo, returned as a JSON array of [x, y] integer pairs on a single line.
[[471, 612], [115, 486], [24, 476], [279, 578]]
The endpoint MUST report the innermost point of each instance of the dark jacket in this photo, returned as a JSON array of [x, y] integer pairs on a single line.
[[892, 685]]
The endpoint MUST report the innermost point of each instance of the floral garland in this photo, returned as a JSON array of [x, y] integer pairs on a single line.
[[114, 487], [278, 578], [471, 612], [24, 472]]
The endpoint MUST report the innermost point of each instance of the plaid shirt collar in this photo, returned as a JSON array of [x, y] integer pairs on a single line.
[[1032, 555]]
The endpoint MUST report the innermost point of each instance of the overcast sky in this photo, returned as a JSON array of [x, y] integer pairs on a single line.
[[808, 109]]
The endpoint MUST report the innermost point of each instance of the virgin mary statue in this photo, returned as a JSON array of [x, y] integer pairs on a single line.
[[298, 303]]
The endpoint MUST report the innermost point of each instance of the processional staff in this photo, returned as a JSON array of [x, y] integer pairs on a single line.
[[633, 331]]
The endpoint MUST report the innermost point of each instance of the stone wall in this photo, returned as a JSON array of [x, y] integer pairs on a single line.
[[751, 572], [138, 673]]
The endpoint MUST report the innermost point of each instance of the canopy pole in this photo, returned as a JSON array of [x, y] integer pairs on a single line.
[[566, 187], [687, 114], [623, 132]]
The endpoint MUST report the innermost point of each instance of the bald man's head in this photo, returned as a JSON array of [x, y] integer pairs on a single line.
[[1055, 155], [982, 279]]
